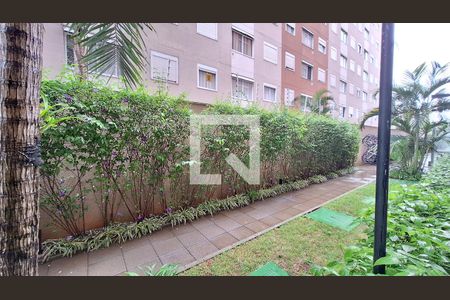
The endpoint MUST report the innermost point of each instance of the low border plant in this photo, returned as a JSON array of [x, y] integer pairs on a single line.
[[122, 232]]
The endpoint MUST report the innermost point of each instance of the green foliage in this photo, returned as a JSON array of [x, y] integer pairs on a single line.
[[110, 44], [418, 240], [165, 270], [421, 94], [128, 150], [317, 179], [439, 176], [120, 233]]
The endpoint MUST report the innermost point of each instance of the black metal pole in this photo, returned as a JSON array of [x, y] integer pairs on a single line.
[[384, 137]]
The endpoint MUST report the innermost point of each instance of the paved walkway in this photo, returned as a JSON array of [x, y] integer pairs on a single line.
[[194, 242]]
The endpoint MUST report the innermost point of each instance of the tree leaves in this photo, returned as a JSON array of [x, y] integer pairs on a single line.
[[111, 44]]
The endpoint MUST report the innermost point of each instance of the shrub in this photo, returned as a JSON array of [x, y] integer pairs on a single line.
[[129, 151], [119, 233], [439, 176], [417, 237]]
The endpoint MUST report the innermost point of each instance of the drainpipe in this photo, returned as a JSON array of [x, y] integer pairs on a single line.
[[384, 136]]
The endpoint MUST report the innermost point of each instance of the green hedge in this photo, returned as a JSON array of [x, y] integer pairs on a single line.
[[129, 151]]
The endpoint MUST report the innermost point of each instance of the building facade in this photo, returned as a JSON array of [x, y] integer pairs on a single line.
[[270, 64], [305, 62], [354, 69]]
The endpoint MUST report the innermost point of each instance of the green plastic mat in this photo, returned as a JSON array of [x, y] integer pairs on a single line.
[[269, 269], [369, 200], [333, 218]]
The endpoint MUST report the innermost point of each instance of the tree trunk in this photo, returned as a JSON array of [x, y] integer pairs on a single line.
[[20, 77], [80, 52]]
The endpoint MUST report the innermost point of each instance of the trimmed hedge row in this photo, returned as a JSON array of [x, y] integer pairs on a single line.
[[122, 232], [128, 151]]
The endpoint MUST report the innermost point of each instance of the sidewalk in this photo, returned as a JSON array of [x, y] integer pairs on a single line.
[[192, 243]]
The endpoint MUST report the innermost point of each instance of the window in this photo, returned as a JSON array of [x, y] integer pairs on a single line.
[[351, 89], [371, 59], [366, 55], [289, 97], [242, 43], [321, 75], [352, 65], [207, 78], [70, 54], [350, 112], [270, 93], [358, 93], [366, 33], [290, 27], [344, 36], [332, 80], [364, 96], [208, 30], [242, 89], [371, 78], [360, 26], [164, 67], [307, 71], [341, 111], [342, 86], [358, 70], [307, 38], [270, 53], [334, 27], [305, 102], [289, 60], [365, 76], [343, 61], [353, 42], [333, 53], [322, 46], [359, 49]]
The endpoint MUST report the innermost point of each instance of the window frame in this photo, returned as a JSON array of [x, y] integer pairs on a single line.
[[216, 35], [308, 98], [343, 58], [244, 79], [323, 43], [286, 53], [273, 47], [166, 56], [342, 83], [304, 29], [208, 69], [345, 35], [293, 27], [264, 94], [324, 74], [243, 35], [312, 70]]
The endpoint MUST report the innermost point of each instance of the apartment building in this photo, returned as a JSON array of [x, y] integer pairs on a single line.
[[270, 64], [208, 62], [305, 62], [354, 68]]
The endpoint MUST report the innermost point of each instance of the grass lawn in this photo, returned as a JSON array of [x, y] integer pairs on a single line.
[[294, 246]]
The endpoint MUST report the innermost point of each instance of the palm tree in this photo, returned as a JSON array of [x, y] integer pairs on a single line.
[[20, 74], [321, 102], [100, 46], [413, 105]]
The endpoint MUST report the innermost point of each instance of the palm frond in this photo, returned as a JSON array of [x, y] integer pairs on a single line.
[[374, 112], [110, 44]]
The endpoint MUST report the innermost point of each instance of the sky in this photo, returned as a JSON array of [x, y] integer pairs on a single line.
[[416, 43]]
